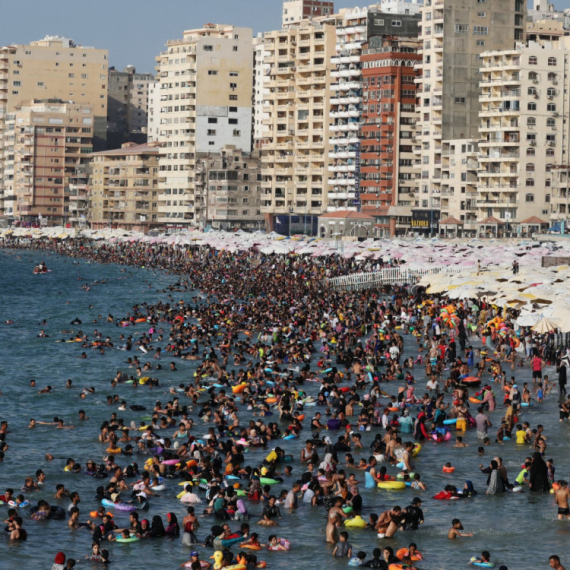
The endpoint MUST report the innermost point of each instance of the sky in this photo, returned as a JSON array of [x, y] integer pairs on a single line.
[[135, 31]]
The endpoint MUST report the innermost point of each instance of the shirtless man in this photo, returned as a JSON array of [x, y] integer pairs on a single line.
[[456, 526], [554, 562], [561, 497], [389, 522]]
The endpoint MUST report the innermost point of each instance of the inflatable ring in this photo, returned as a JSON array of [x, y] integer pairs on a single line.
[[448, 469], [403, 552], [450, 422], [125, 540], [417, 448], [356, 522], [268, 481], [471, 381], [392, 485], [400, 477], [475, 400], [481, 564]]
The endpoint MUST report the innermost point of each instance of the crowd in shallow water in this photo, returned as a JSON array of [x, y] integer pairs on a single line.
[[272, 320]]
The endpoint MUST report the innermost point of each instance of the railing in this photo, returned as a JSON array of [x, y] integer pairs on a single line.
[[388, 276]]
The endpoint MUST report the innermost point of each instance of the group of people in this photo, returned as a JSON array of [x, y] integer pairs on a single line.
[[267, 340]]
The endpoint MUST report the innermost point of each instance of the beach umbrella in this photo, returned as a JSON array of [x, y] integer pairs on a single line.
[[545, 325]]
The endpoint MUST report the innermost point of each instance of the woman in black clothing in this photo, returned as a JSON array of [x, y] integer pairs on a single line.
[[538, 480], [157, 528]]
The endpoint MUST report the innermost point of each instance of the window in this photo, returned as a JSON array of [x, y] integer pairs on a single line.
[[212, 120], [531, 107], [481, 14], [461, 28], [211, 132], [208, 48], [378, 22], [549, 152], [212, 72], [550, 122], [529, 183], [480, 42], [530, 167], [480, 30], [529, 197], [530, 152], [532, 91], [233, 121], [551, 107], [233, 97], [233, 86], [41, 84], [237, 133], [235, 48], [532, 60], [396, 23], [17, 83], [551, 61], [233, 109], [460, 100], [234, 73]]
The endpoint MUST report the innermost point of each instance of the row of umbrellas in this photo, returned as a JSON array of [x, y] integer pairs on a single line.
[[540, 294]]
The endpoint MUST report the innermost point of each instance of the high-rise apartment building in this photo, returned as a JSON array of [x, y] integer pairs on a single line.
[[127, 105], [228, 191], [454, 34], [52, 68], [295, 153], [346, 111], [295, 11], [459, 180], [123, 187], [53, 141], [261, 71], [153, 118], [206, 83], [523, 141], [387, 160]]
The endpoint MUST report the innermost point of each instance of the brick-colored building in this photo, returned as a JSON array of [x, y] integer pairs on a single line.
[[387, 176]]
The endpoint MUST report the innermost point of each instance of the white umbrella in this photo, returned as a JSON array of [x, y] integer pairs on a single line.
[[545, 325]]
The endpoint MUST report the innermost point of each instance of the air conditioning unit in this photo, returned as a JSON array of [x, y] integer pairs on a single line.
[[535, 81], [555, 82], [551, 143], [555, 114], [532, 143], [551, 97], [535, 95]]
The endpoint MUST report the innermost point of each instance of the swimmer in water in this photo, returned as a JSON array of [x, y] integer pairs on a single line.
[[456, 526]]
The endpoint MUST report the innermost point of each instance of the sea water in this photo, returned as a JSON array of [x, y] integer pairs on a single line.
[[520, 530]]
